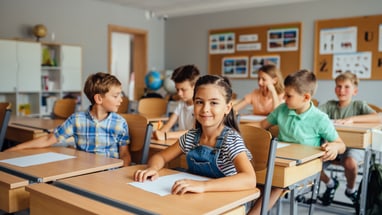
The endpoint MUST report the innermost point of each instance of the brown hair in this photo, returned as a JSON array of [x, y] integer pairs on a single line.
[[223, 82], [99, 83], [186, 73], [302, 81], [348, 76], [272, 71]]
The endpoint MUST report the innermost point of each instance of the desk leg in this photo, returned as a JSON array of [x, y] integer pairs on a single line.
[[314, 193], [293, 202], [365, 178]]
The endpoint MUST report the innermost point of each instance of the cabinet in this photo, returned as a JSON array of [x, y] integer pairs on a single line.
[[34, 74]]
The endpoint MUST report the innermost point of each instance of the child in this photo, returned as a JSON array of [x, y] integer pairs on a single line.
[[301, 122], [269, 95], [184, 78], [99, 130], [346, 110], [213, 148]]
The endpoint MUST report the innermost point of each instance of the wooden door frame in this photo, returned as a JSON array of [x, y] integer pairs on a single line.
[[139, 55]]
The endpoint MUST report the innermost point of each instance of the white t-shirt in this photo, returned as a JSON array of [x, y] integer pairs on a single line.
[[185, 113]]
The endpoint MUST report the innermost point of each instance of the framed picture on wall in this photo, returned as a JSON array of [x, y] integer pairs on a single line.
[[285, 39], [222, 43], [259, 61], [235, 67]]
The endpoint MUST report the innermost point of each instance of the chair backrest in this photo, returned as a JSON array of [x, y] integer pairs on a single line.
[[375, 107], [5, 115], [124, 107], [315, 102], [263, 148], [140, 131], [63, 108], [152, 107]]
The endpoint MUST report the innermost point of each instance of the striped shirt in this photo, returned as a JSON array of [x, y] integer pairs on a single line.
[[230, 148], [90, 135]]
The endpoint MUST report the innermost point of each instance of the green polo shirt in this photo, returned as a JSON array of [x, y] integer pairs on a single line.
[[312, 127]]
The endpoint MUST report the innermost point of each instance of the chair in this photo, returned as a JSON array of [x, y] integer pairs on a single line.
[[152, 107], [315, 102], [140, 131], [5, 115], [263, 148], [375, 107], [63, 108], [124, 106]]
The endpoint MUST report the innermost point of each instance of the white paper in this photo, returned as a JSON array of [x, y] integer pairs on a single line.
[[338, 40], [380, 38], [358, 63], [281, 144], [162, 186], [252, 117], [37, 159]]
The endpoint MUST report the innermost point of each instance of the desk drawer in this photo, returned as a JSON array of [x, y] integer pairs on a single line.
[[356, 139]]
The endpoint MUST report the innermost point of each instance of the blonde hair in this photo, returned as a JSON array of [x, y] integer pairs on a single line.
[[272, 71], [348, 76]]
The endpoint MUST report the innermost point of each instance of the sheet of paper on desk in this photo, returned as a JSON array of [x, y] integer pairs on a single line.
[[252, 117], [281, 144], [37, 159], [162, 186]]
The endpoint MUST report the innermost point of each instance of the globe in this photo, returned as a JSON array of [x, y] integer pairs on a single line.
[[153, 80], [169, 85], [39, 31]]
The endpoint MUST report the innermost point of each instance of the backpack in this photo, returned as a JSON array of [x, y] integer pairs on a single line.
[[374, 190]]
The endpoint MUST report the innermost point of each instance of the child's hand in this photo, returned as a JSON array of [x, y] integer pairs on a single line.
[[183, 186], [344, 121], [142, 175], [331, 151], [159, 135]]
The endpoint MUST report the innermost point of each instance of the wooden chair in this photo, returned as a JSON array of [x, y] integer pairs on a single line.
[[152, 107], [315, 102], [124, 107], [5, 115], [140, 131], [63, 108], [263, 148], [375, 107]]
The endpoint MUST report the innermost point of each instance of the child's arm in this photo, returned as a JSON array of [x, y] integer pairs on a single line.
[[367, 118], [160, 134], [240, 105], [157, 162], [332, 149], [265, 124], [124, 154], [275, 97], [41, 142], [244, 179]]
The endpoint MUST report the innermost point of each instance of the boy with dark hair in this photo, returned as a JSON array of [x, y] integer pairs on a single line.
[[301, 122], [185, 78], [345, 110], [98, 130]]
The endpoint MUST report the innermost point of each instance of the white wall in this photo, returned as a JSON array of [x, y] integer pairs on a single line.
[[187, 37], [80, 22]]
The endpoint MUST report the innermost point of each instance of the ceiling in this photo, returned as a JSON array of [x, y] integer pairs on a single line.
[[176, 8]]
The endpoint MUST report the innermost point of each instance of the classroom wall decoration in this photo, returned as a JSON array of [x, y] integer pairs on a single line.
[[349, 44], [238, 53]]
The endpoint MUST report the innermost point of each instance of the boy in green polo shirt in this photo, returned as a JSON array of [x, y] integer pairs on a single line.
[[301, 122]]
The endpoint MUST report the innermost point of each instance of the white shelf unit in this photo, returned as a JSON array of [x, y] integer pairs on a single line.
[[33, 72]]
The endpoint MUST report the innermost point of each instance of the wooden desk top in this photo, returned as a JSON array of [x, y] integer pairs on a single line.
[[189, 203], [357, 135], [83, 163], [35, 123], [162, 144], [295, 154]]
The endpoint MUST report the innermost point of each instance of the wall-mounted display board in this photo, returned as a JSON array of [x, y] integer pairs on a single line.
[[239, 52], [349, 44]]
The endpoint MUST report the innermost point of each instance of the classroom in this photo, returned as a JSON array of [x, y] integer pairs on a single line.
[[177, 40]]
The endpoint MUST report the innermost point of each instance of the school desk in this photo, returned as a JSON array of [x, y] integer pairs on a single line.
[[21, 129], [296, 166], [359, 136], [118, 190], [13, 178]]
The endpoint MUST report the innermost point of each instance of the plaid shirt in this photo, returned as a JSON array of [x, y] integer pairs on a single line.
[[90, 135]]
